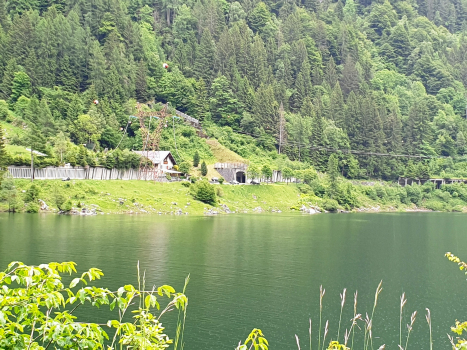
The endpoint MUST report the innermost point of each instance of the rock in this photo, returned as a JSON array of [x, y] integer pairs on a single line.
[[303, 208], [174, 203], [258, 209], [179, 212], [226, 208], [254, 197], [43, 205]]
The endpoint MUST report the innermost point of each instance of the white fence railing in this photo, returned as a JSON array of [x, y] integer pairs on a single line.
[[76, 173]]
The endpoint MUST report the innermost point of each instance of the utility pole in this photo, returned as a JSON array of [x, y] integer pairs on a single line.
[[282, 133]]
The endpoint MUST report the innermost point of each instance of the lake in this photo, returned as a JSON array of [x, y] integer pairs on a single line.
[[265, 271]]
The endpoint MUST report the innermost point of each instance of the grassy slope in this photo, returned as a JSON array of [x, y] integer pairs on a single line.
[[222, 155], [145, 196]]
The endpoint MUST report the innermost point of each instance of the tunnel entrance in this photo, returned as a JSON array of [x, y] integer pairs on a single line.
[[240, 177]]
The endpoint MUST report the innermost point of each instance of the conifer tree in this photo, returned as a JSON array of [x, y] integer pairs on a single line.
[[8, 76], [332, 174], [196, 159], [205, 58], [21, 86], [204, 169], [3, 154]]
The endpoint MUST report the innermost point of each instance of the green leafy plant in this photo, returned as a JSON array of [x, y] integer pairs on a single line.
[[204, 192], [37, 310], [255, 340]]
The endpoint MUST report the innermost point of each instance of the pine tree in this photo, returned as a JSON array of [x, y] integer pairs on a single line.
[[204, 169], [337, 107], [333, 175], [21, 86], [196, 159], [205, 58], [67, 77], [200, 101], [141, 90], [3, 154], [46, 120], [8, 76], [265, 109]]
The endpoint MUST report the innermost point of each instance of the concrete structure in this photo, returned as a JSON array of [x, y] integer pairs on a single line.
[[232, 171], [404, 181]]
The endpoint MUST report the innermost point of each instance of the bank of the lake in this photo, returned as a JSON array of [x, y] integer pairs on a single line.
[[143, 197]]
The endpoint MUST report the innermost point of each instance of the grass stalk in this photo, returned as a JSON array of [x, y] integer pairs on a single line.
[[340, 315], [298, 342], [309, 331], [401, 309], [326, 329], [354, 314], [428, 320], [321, 295], [410, 327]]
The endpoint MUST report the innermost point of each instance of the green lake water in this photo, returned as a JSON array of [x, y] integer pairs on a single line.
[[265, 271]]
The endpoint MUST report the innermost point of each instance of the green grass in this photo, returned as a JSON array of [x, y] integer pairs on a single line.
[[150, 197], [16, 150]]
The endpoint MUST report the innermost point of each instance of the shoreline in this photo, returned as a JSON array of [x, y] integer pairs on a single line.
[[93, 197]]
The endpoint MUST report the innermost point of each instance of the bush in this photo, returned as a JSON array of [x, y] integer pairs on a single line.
[[186, 183], [204, 192], [32, 194], [305, 189], [32, 208], [414, 194], [221, 180], [434, 205], [168, 177], [67, 206], [330, 205], [184, 167]]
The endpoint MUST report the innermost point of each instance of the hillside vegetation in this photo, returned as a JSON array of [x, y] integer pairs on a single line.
[[371, 76]]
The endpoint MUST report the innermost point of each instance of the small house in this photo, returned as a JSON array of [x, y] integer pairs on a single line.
[[162, 160]]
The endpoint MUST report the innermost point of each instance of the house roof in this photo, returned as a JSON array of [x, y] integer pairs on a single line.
[[156, 157]]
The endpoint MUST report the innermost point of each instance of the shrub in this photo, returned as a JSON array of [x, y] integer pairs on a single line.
[[414, 194], [186, 184], [32, 208], [204, 192], [32, 194], [221, 180], [184, 167], [434, 205], [318, 187], [330, 205], [305, 189], [168, 177], [67, 206]]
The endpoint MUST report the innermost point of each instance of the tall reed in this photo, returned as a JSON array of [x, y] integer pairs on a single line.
[[321, 295], [340, 316], [401, 309], [428, 320]]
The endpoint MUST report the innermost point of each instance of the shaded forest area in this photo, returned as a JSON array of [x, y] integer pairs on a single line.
[[384, 77]]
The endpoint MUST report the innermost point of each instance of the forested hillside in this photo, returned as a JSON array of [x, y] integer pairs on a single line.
[[385, 77]]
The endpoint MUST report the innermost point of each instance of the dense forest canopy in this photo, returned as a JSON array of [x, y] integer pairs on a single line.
[[382, 76]]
